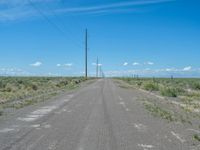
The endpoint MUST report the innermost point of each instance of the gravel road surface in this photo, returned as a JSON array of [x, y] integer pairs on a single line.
[[99, 116]]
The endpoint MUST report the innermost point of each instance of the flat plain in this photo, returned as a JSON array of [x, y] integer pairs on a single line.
[[109, 114]]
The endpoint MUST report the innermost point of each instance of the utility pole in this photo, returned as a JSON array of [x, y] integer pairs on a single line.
[[97, 68], [86, 53], [100, 72]]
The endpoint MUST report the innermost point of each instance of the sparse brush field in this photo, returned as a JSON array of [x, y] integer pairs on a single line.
[[176, 101], [158, 111], [185, 91], [17, 92], [189, 88]]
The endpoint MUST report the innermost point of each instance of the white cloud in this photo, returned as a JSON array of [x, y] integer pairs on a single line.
[[165, 72], [13, 72], [36, 64], [125, 64], [65, 65], [23, 2], [94, 64], [52, 74], [68, 65], [149, 63], [111, 6], [169, 69], [187, 68], [17, 9], [136, 64], [58, 65]]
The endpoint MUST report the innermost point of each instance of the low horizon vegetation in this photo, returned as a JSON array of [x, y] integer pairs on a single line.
[[187, 90], [167, 87], [17, 92], [159, 112]]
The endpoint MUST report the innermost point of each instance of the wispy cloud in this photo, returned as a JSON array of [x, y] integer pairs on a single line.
[[68, 65], [36, 64], [23, 2], [166, 72], [13, 72], [95, 64], [136, 64], [187, 68], [58, 65], [125, 64], [114, 5], [16, 9], [149, 63], [170, 69]]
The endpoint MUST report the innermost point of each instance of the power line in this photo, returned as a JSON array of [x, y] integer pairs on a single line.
[[97, 68], [45, 17], [60, 20], [86, 53], [100, 72], [49, 20]]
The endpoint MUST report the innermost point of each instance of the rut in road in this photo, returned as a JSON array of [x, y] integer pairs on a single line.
[[99, 134]]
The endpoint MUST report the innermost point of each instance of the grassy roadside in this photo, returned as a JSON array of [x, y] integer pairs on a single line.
[[18, 92], [159, 112], [186, 91], [166, 99], [166, 87], [165, 112], [175, 102]]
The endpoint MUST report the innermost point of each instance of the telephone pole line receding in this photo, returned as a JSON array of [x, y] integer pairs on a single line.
[[100, 72], [97, 68], [86, 53]]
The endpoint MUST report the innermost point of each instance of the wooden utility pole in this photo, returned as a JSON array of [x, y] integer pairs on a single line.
[[97, 68], [86, 53], [100, 72]]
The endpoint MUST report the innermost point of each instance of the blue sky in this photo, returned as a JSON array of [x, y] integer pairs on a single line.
[[145, 37]]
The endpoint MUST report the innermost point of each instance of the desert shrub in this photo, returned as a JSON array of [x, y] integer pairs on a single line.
[[139, 83], [62, 83], [1, 112], [20, 81], [193, 95], [159, 112], [8, 87], [179, 90], [15, 88], [34, 87], [196, 86], [2, 84], [151, 86], [196, 137], [169, 92], [76, 81]]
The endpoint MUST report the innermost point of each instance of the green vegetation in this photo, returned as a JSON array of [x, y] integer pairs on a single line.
[[184, 91], [150, 86], [17, 92], [159, 112], [185, 88], [196, 86], [196, 137], [1, 111], [170, 92]]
